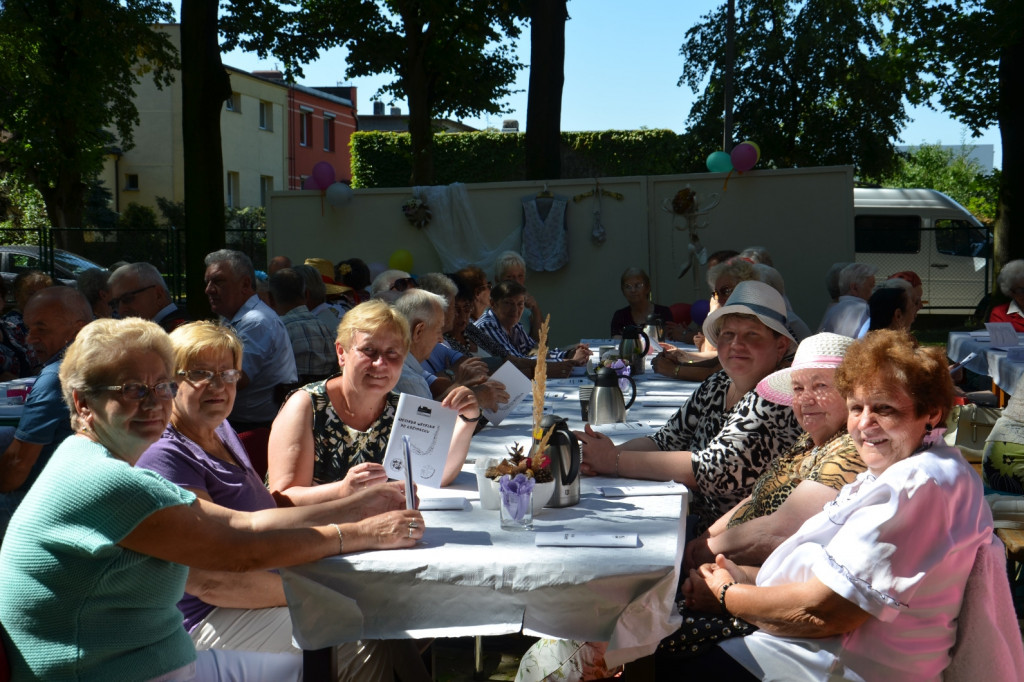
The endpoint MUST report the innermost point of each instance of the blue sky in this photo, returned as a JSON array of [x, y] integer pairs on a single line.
[[622, 64]]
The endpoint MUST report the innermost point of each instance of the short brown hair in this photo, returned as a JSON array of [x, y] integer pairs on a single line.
[[889, 357]]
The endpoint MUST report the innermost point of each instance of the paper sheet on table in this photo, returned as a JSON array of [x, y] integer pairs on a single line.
[[633, 428], [1002, 335], [676, 399], [444, 504], [589, 539], [517, 385], [652, 488], [430, 428]]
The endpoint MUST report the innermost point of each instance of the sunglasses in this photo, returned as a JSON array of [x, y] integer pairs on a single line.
[[723, 294], [403, 284], [137, 392], [201, 377], [128, 296]]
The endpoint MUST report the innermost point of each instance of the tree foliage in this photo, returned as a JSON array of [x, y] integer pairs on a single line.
[[953, 173], [67, 73], [816, 82], [448, 58], [973, 50]]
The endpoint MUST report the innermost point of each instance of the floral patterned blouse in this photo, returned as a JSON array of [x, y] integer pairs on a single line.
[[338, 447], [834, 463], [730, 448]]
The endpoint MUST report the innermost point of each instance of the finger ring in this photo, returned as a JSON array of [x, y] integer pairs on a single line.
[[410, 532], [413, 524]]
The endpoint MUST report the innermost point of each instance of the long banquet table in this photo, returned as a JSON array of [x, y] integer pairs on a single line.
[[1005, 373], [469, 577]]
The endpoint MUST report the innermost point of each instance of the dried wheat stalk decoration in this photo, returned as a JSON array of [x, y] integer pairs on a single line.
[[540, 377]]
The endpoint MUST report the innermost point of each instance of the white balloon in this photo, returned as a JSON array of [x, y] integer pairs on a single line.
[[339, 194]]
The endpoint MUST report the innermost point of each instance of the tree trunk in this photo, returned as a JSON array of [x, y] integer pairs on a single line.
[[205, 87], [547, 76], [1009, 232]]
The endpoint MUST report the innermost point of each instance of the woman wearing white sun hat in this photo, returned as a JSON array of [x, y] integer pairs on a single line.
[[725, 435]]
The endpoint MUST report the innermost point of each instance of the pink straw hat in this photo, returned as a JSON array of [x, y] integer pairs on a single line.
[[825, 351]]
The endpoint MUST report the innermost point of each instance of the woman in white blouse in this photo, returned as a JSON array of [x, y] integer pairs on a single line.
[[870, 588]]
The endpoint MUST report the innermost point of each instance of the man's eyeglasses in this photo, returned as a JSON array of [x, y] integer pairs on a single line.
[[128, 296], [200, 377], [137, 392], [722, 295], [403, 284]]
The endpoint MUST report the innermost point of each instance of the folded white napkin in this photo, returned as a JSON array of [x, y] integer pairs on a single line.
[[670, 488], [591, 539], [444, 504]]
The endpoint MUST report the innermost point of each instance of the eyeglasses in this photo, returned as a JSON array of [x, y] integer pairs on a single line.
[[403, 284], [128, 296], [201, 377], [137, 392], [372, 354], [464, 307], [635, 286], [723, 294]]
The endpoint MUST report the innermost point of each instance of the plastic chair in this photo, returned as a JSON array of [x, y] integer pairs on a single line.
[[681, 313], [255, 443]]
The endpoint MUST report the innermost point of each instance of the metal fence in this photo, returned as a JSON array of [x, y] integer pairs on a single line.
[[164, 248]]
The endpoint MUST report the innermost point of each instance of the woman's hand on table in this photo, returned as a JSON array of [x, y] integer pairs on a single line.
[[378, 499], [463, 400], [580, 355], [362, 476], [600, 455], [392, 530]]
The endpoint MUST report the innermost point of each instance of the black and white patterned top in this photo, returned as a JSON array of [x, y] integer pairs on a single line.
[[338, 447], [730, 448]]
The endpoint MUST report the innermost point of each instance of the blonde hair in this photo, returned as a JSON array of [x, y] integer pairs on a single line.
[[195, 339], [99, 349], [371, 317]]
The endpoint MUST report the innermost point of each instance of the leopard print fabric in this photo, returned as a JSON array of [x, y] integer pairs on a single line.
[[834, 464], [730, 448], [338, 447]]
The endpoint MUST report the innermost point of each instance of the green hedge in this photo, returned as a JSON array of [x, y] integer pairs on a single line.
[[382, 159]]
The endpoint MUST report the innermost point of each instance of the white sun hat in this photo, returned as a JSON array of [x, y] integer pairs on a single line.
[[751, 298], [824, 351]]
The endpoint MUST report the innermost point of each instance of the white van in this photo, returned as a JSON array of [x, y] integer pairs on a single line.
[[925, 231]]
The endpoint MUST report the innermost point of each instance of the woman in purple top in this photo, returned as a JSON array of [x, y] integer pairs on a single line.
[[200, 452]]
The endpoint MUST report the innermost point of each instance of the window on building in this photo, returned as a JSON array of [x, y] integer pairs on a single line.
[[231, 194], [305, 127], [328, 133], [266, 116], [234, 103], [131, 181], [266, 187]]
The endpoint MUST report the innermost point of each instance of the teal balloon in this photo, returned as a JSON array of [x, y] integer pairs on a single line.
[[719, 162]]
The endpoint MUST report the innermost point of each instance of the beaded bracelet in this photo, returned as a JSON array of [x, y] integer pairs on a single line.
[[721, 596]]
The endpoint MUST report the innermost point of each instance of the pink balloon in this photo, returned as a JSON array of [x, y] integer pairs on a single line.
[[744, 156], [323, 173]]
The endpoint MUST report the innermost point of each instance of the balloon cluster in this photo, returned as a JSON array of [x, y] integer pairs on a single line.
[[743, 157], [337, 193]]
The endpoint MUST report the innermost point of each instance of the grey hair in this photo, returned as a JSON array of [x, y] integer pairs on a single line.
[[771, 277], [92, 281], [419, 305], [758, 254], [853, 274], [1011, 273], [146, 273], [315, 287], [506, 260], [438, 283], [241, 264], [832, 280], [735, 267]]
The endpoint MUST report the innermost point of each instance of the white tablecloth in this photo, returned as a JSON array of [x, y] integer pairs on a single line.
[[469, 577], [1005, 373]]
